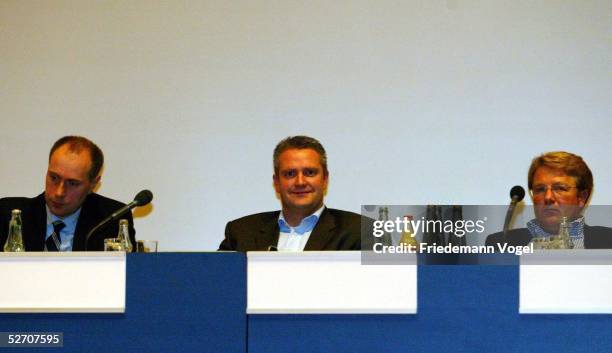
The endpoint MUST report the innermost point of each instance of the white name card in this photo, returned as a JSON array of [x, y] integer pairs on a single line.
[[62, 282], [566, 282], [327, 282]]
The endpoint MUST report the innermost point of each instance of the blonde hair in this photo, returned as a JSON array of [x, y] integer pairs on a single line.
[[573, 165]]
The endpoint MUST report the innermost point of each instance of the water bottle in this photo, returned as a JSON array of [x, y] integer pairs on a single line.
[[124, 235], [14, 241]]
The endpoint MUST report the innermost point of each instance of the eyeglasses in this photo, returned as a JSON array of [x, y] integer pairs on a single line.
[[557, 189]]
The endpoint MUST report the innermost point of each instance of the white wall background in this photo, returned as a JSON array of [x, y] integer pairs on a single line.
[[416, 101]]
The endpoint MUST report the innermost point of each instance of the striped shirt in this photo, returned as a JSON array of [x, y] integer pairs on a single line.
[[576, 231]]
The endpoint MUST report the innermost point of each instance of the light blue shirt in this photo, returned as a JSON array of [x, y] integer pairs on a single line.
[[295, 238], [67, 233]]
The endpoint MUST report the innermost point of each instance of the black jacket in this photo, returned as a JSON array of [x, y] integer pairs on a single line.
[[594, 237], [95, 208], [335, 230]]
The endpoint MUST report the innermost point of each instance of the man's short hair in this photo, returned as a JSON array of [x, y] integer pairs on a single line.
[[569, 163], [77, 144], [299, 142]]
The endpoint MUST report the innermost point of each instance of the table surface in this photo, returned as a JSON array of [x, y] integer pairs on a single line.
[[196, 302]]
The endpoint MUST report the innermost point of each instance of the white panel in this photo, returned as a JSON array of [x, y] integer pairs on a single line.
[[63, 282], [574, 288], [327, 282]]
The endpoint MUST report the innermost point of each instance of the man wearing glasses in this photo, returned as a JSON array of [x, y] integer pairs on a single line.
[[560, 185]]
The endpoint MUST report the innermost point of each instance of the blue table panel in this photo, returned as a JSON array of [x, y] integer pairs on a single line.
[[461, 309], [187, 302]]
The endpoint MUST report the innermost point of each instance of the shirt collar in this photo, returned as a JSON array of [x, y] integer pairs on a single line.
[[576, 228], [306, 225], [70, 220]]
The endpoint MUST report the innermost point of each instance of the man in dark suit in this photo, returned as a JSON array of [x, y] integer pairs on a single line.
[[60, 218], [304, 223], [595, 237], [560, 185]]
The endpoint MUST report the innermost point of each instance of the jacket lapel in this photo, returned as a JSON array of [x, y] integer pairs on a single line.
[[34, 233], [586, 238], [322, 233], [84, 225], [268, 232]]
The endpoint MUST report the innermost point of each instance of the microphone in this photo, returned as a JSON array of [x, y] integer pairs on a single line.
[[142, 198], [517, 193]]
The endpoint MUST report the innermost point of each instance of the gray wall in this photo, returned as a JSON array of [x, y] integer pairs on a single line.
[[416, 101]]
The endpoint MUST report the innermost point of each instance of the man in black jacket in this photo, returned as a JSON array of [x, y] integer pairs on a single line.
[[60, 218], [560, 185], [304, 223]]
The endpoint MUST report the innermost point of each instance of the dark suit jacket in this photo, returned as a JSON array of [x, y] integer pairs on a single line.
[[335, 230], [95, 208], [594, 237]]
